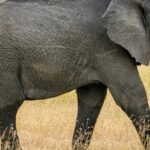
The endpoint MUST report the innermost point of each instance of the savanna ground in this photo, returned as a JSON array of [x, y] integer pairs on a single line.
[[49, 124]]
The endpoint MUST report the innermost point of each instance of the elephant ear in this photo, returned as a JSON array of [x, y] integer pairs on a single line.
[[125, 26]]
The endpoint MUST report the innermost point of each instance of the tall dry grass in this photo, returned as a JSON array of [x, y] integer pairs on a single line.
[[49, 124]]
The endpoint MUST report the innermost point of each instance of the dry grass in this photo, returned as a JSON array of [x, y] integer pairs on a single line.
[[48, 125]]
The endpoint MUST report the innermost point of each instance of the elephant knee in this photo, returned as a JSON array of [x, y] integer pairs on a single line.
[[131, 99]]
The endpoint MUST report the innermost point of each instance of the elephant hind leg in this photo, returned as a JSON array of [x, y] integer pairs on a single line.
[[9, 138], [90, 101]]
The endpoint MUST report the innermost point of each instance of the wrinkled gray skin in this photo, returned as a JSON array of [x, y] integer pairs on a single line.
[[51, 47]]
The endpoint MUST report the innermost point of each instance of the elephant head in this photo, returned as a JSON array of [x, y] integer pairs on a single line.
[[128, 24]]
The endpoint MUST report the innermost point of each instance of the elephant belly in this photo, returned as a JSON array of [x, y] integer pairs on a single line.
[[55, 75]]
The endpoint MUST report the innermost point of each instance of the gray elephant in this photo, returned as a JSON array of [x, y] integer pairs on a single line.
[[50, 47]]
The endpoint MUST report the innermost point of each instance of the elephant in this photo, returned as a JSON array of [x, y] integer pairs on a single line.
[[51, 47]]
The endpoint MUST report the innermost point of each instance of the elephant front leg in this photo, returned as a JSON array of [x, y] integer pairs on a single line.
[[8, 133], [90, 101], [119, 72], [134, 103]]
